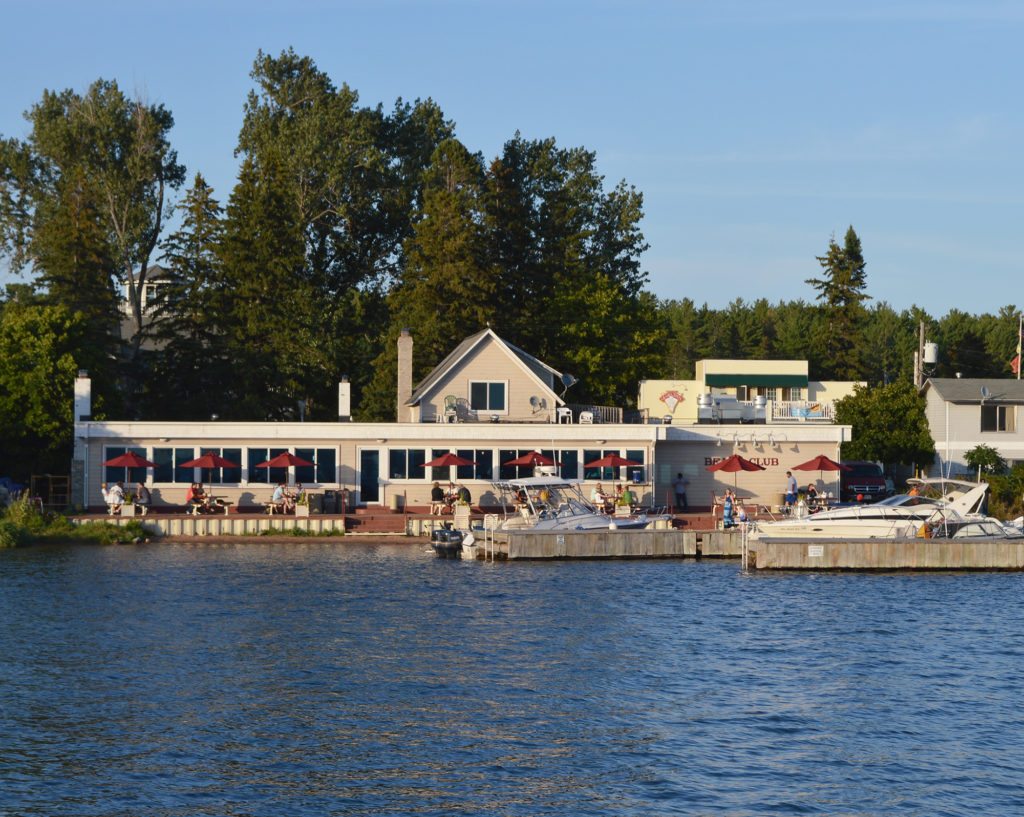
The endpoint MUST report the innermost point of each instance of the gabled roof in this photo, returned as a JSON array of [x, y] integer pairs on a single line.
[[968, 389], [535, 368]]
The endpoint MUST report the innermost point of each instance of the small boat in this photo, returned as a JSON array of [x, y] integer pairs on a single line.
[[552, 503], [447, 543], [934, 508]]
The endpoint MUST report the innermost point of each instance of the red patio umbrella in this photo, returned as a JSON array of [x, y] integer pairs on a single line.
[[532, 458], [447, 459], [286, 459], [734, 464], [129, 459], [209, 460], [611, 461], [821, 463]]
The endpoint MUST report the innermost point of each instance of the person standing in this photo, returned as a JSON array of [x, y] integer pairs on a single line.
[[142, 498], [106, 498], [727, 509], [790, 489], [679, 486]]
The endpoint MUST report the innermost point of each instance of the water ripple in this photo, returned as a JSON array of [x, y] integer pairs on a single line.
[[331, 679]]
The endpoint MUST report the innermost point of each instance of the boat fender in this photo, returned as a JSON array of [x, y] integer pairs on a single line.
[[469, 539], [612, 525]]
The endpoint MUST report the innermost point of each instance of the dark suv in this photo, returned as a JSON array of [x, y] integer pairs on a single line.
[[864, 479]]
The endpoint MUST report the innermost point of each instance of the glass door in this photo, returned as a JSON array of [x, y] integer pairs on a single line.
[[369, 476]]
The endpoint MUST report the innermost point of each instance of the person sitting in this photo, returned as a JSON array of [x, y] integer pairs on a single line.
[[812, 496], [626, 498], [196, 498], [437, 499], [106, 498], [464, 495], [116, 498], [142, 498], [599, 498], [281, 501]]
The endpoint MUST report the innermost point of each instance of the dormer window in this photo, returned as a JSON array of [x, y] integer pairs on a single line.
[[488, 395]]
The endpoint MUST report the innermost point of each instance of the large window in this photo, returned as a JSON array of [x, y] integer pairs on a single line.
[[323, 469], [407, 463], [484, 468], [998, 418], [487, 395]]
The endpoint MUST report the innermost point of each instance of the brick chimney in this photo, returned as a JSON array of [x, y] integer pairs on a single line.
[[404, 375]]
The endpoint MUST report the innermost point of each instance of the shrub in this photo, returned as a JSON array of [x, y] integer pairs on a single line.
[[13, 535]]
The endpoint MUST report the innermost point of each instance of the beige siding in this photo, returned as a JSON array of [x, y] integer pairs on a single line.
[[489, 362]]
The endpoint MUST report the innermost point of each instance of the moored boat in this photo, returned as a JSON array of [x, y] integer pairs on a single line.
[[550, 503], [934, 508]]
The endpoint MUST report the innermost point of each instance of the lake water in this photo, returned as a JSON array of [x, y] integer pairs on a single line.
[[331, 678]]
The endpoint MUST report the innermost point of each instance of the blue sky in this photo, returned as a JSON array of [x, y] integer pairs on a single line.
[[755, 130]]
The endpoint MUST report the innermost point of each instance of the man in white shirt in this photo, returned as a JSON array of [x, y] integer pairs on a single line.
[[115, 498]]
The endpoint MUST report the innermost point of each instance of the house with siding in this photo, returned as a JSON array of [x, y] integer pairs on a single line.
[[966, 412]]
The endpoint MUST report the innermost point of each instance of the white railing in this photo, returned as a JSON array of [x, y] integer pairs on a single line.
[[801, 411]]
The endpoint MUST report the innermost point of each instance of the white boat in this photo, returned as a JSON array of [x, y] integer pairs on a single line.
[[936, 508], [552, 503]]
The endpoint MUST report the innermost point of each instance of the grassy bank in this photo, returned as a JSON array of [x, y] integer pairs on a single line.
[[23, 524]]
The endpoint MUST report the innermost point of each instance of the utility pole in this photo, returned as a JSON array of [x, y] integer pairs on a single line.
[[919, 359]]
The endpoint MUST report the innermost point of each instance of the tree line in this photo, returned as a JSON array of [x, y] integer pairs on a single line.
[[346, 224]]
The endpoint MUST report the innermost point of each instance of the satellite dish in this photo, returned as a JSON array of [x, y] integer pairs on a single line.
[[535, 401], [567, 381], [984, 392]]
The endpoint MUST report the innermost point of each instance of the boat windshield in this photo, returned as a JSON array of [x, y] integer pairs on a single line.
[[906, 501]]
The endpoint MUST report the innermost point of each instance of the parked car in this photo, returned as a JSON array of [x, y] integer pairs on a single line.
[[864, 479]]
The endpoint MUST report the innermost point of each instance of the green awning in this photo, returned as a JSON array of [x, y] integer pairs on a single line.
[[768, 380]]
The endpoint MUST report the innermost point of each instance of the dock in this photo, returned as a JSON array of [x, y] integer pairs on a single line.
[[881, 554], [599, 544]]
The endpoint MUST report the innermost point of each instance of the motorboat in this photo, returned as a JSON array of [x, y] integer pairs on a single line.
[[933, 508], [447, 542], [552, 503]]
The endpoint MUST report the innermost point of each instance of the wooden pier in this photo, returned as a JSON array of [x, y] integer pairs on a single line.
[[602, 544], [880, 554]]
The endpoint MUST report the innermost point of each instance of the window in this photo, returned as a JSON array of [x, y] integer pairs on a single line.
[[998, 418], [484, 468], [487, 395], [231, 476], [321, 471], [636, 473], [407, 463], [570, 460], [265, 475], [794, 394]]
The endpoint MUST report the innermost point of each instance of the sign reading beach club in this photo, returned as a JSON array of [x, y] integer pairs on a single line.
[[764, 462]]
